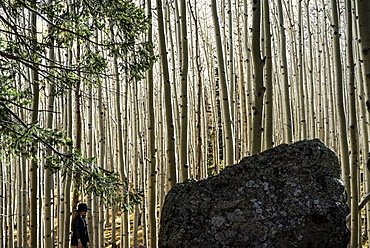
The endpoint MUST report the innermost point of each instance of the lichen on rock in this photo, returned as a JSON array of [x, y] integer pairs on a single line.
[[286, 196]]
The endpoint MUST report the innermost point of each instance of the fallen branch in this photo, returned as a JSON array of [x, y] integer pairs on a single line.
[[360, 205]]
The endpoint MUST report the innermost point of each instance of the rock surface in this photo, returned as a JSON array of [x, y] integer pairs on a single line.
[[287, 196]]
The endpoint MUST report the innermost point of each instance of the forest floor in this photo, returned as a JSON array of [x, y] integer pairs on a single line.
[[109, 232]]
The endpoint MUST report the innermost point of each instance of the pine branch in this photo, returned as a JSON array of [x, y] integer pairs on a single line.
[[25, 108]]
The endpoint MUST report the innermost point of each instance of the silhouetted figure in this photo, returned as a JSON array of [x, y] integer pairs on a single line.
[[80, 237]]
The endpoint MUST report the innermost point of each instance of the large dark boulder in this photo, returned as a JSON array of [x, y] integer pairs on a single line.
[[287, 196]]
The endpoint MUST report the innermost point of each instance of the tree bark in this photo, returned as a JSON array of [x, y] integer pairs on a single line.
[[227, 125], [34, 197], [259, 88], [288, 124], [170, 135], [184, 139], [342, 127], [269, 134]]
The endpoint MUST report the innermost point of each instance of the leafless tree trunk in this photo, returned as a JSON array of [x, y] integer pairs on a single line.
[[258, 88]]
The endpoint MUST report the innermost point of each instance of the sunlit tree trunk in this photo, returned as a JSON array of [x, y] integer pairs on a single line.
[[354, 159], [49, 181], [302, 93], [201, 118], [152, 146], [288, 125], [362, 90], [49, 176], [310, 86], [136, 161], [10, 203], [90, 143], [343, 127], [125, 218], [2, 206], [230, 62], [126, 153], [241, 84], [170, 135], [22, 202], [227, 125], [99, 216], [65, 211]]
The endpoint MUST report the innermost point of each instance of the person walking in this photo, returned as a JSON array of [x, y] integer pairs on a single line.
[[80, 236]]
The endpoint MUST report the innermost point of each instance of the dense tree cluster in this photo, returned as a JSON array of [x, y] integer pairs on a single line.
[[86, 107], [38, 37]]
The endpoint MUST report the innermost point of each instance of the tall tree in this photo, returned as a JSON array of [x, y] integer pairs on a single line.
[[258, 87], [310, 87], [184, 131], [170, 136], [269, 140], [49, 177], [34, 206], [25, 60], [301, 71], [288, 126], [346, 173], [227, 126], [152, 149], [354, 157]]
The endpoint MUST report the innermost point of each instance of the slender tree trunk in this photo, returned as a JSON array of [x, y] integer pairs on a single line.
[[102, 163], [170, 135], [9, 204], [125, 218], [152, 149], [343, 129], [269, 135], [310, 87], [67, 187], [302, 93], [288, 127], [90, 142], [354, 168], [363, 96], [34, 203], [230, 62], [227, 126], [243, 116], [49, 183], [259, 88], [21, 208], [49, 177], [200, 111], [78, 132], [2, 206], [184, 139]]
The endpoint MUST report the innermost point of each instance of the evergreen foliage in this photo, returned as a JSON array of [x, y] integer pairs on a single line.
[[63, 27]]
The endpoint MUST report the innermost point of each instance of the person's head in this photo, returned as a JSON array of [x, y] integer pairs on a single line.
[[82, 209]]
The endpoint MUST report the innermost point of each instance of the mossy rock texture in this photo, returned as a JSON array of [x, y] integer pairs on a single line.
[[287, 196]]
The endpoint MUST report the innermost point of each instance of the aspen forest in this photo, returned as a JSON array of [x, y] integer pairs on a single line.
[[112, 102]]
